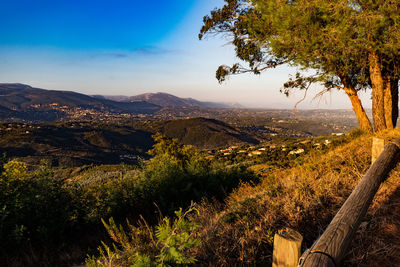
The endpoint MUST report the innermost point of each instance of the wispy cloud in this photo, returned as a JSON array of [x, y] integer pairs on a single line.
[[141, 51], [109, 55], [119, 55], [154, 51]]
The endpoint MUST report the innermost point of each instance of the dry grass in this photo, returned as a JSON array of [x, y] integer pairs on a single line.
[[377, 242], [304, 197]]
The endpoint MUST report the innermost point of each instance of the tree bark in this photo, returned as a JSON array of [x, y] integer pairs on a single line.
[[395, 101], [377, 81], [388, 101], [362, 117], [391, 100], [363, 120]]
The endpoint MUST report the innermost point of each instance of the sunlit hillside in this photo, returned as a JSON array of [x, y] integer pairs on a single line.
[[304, 197]]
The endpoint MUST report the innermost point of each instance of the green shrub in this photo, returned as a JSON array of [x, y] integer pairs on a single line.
[[178, 174], [168, 244], [46, 214], [35, 209]]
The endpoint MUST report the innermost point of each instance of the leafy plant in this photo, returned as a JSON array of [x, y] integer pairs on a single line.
[[167, 244], [176, 238], [48, 211]]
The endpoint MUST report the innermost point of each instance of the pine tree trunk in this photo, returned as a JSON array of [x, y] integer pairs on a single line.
[[388, 101], [395, 101], [378, 110], [391, 101], [362, 117]]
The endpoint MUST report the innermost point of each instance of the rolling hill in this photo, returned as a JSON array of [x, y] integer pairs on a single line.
[[20, 101], [70, 144], [74, 143], [205, 133]]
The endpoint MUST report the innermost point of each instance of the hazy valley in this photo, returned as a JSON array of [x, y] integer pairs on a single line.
[[74, 160], [71, 129]]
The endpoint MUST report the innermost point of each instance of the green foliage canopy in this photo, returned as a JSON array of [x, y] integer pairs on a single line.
[[350, 45], [311, 35], [331, 37]]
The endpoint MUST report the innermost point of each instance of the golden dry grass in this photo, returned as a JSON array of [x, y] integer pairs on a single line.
[[377, 242], [304, 197]]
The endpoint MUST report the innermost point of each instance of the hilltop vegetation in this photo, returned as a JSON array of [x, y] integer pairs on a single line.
[[51, 216], [75, 201], [205, 133], [75, 143], [304, 196], [336, 44]]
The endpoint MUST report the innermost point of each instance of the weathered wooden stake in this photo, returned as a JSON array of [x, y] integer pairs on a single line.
[[377, 147], [287, 248]]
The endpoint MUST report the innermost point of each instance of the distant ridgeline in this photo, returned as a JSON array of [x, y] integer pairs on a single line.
[[168, 100], [19, 102]]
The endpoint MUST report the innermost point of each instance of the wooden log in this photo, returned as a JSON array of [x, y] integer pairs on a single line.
[[287, 248], [332, 246], [378, 145]]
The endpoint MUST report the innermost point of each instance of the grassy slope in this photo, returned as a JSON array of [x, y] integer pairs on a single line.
[[304, 197], [377, 242]]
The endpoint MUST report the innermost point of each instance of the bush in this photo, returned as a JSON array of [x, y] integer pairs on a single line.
[[178, 174], [168, 244], [33, 205], [47, 215]]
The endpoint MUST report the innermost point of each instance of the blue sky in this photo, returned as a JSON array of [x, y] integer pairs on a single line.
[[128, 47]]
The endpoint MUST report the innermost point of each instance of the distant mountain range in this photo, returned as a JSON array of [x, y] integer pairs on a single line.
[[23, 102], [168, 100]]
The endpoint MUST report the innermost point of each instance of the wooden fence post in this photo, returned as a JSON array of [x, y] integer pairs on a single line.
[[287, 248], [377, 147]]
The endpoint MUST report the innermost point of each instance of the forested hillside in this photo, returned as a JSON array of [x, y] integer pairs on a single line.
[[205, 133], [73, 144], [222, 227]]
